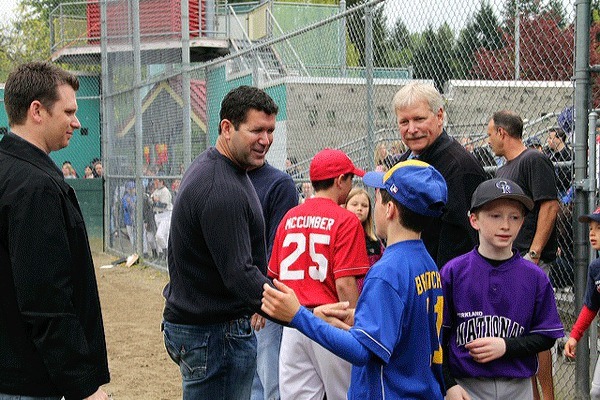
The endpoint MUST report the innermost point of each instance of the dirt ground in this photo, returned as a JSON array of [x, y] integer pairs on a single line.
[[132, 305]]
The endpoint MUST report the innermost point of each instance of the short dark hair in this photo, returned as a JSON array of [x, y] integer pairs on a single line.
[[326, 183], [559, 133], [322, 185], [408, 218], [510, 122], [34, 81], [239, 101]]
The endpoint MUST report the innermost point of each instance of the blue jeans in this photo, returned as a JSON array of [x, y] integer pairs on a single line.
[[216, 361], [266, 378], [4, 396]]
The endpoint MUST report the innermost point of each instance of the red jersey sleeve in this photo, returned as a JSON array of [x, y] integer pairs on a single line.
[[586, 316], [273, 267], [350, 253]]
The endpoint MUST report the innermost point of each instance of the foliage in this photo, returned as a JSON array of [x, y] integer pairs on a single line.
[[542, 42], [41, 8], [356, 33], [25, 39], [482, 31], [434, 54]]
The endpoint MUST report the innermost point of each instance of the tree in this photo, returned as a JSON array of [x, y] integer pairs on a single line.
[[434, 55], [400, 46], [546, 53], [25, 39], [555, 10], [41, 8], [356, 33], [482, 31], [527, 8], [400, 37]]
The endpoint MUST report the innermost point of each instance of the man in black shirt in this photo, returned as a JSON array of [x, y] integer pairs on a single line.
[[51, 333], [420, 114], [217, 254]]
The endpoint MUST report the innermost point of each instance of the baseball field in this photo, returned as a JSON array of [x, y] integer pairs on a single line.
[[132, 305]]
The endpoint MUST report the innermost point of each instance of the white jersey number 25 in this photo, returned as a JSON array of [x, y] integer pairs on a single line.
[[319, 272]]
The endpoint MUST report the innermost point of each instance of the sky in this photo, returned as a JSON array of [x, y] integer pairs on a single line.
[[7, 8], [416, 14]]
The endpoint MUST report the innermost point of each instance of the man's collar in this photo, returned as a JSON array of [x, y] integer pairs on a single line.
[[440, 141], [20, 148]]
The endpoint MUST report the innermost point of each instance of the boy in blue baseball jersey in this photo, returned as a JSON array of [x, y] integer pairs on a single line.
[[499, 309], [394, 343], [591, 302]]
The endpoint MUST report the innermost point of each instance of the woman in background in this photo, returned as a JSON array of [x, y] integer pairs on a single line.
[[359, 202]]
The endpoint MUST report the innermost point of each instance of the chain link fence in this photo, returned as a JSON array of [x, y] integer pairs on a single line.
[[333, 70]]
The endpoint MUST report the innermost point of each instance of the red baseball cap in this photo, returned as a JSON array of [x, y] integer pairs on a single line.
[[331, 163]]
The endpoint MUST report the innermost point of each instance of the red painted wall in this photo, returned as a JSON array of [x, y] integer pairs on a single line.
[[159, 20]]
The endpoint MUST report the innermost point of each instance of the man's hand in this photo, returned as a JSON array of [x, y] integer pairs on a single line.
[[258, 322], [98, 395], [527, 257], [336, 314], [571, 347], [456, 392], [280, 304], [486, 349]]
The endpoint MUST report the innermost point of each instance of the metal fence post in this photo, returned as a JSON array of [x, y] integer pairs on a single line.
[[185, 78], [370, 145], [137, 104], [342, 38], [582, 90], [106, 110]]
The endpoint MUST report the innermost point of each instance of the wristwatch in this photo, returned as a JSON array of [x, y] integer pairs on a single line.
[[534, 255]]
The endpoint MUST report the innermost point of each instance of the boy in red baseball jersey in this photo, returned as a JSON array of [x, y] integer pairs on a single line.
[[319, 251]]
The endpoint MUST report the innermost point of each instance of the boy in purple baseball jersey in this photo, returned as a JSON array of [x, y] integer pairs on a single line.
[[499, 309], [591, 303]]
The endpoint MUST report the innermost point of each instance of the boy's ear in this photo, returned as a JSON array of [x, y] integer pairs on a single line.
[[474, 221], [391, 210], [340, 180]]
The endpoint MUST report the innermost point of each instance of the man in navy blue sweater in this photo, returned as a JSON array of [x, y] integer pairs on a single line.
[[217, 254], [277, 195]]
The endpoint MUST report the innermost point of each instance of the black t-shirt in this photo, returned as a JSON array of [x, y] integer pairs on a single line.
[[562, 167], [534, 173]]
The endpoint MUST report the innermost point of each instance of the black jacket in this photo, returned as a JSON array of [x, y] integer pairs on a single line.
[[452, 235], [51, 332]]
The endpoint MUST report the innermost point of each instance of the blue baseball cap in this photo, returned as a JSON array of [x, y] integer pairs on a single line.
[[414, 184], [565, 120], [595, 216]]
